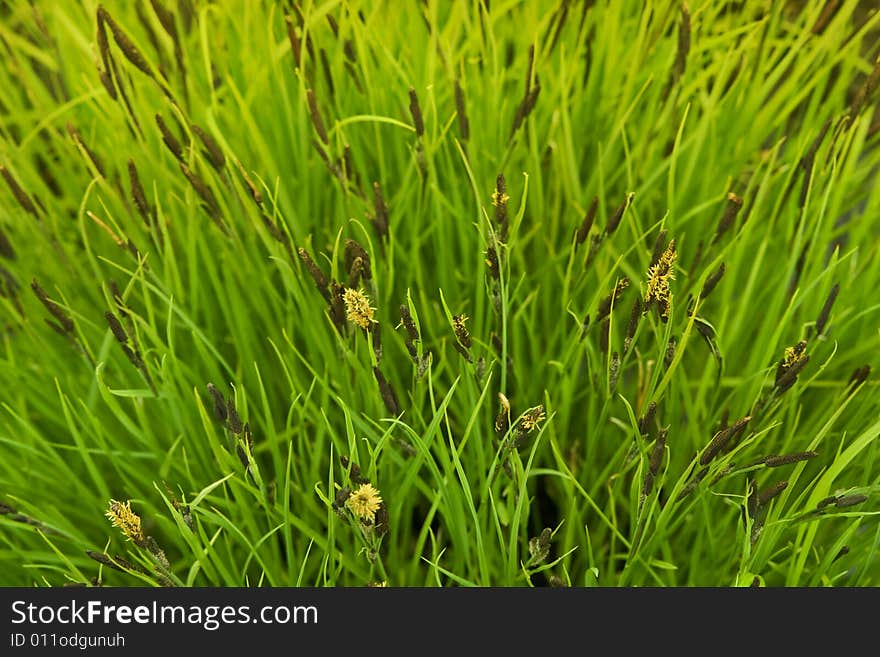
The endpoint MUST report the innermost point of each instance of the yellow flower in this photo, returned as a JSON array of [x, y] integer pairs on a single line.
[[357, 307], [460, 330], [499, 198], [533, 418], [659, 276], [794, 354], [364, 502], [127, 521]]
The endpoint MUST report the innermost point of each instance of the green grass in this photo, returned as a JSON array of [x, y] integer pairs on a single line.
[[773, 102]]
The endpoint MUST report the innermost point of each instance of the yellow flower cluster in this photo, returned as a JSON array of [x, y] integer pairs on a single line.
[[659, 276], [364, 502], [127, 521], [357, 308]]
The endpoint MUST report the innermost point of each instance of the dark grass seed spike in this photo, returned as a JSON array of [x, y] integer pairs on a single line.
[[671, 346], [722, 421], [614, 220], [722, 473], [212, 149], [646, 422], [752, 504], [126, 45], [219, 403], [502, 419], [116, 327], [20, 195], [720, 439], [406, 319], [464, 126], [387, 392], [817, 142], [134, 357], [115, 562], [728, 219], [698, 258], [151, 34], [315, 114], [613, 371], [116, 295], [337, 304], [562, 14], [767, 494], [328, 76], [166, 20], [691, 486], [114, 75], [56, 327], [295, 41], [611, 300], [233, 421], [711, 282], [253, 189], [314, 271], [380, 216], [633, 323], [822, 320], [332, 167], [656, 458], [829, 11], [353, 470], [587, 224], [791, 365], [828, 501], [529, 69], [77, 138], [350, 171], [843, 552], [859, 376], [118, 301], [776, 461], [659, 247], [798, 268], [138, 195], [104, 48], [493, 264], [170, 140], [525, 108], [106, 79], [461, 332], [353, 252], [864, 95], [376, 337], [654, 463], [416, 112], [604, 330], [596, 240], [6, 249], [684, 42], [9, 287], [849, 500], [206, 194], [499, 202], [64, 320], [356, 272]]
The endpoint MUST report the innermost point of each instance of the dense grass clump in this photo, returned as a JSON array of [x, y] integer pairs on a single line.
[[434, 293]]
